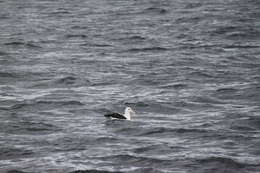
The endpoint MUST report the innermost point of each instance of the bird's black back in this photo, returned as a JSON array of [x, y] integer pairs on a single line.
[[115, 115]]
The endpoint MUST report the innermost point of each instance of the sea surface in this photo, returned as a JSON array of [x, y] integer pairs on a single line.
[[189, 68]]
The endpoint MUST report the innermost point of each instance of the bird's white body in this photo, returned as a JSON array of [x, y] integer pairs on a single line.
[[129, 112]]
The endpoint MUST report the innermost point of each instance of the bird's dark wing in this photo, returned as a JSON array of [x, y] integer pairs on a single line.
[[115, 115]]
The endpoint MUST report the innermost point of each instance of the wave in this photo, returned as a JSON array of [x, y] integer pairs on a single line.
[[246, 124], [136, 104], [150, 170], [193, 5], [138, 170], [216, 46], [162, 131], [146, 81], [30, 127], [7, 153], [227, 164], [235, 32], [131, 39], [158, 131], [240, 46], [135, 160], [8, 75], [60, 12], [42, 104], [76, 36], [65, 81], [245, 34], [94, 171], [106, 139], [148, 49], [183, 20], [226, 90], [200, 74], [155, 107], [97, 45], [20, 43], [156, 10], [16, 171], [209, 101], [144, 149], [174, 86], [157, 149], [136, 37], [3, 53]]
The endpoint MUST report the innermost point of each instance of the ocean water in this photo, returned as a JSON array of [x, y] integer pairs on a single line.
[[189, 68]]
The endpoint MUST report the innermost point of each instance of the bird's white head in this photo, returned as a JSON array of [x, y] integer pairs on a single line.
[[129, 112]]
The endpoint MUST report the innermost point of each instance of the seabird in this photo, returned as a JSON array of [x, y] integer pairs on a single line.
[[127, 115]]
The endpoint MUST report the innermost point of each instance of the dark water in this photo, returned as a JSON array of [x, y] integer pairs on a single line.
[[189, 68]]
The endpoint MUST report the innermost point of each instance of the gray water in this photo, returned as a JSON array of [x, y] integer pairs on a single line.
[[189, 68]]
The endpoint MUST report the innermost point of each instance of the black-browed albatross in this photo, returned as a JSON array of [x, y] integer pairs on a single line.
[[126, 116]]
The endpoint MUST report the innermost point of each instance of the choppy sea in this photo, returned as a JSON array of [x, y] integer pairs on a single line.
[[189, 68]]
